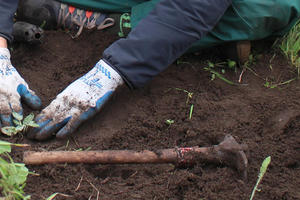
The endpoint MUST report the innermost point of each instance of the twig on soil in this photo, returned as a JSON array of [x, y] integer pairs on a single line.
[[34, 174], [105, 180], [120, 192], [67, 145], [76, 143], [132, 175], [172, 174], [256, 74], [78, 186], [240, 77], [21, 145], [98, 192]]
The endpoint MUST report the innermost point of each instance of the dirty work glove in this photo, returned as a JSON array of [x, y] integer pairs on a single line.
[[13, 88], [78, 102]]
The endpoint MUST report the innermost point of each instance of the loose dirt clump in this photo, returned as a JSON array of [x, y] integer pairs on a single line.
[[267, 120]]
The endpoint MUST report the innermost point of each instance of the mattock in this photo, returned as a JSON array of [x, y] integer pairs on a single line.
[[228, 152]]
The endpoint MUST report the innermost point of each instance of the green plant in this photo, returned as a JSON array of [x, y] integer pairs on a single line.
[[290, 46], [21, 124], [215, 74], [179, 62], [231, 64], [82, 149], [270, 84], [13, 175], [169, 122], [191, 111], [43, 24], [263, 169], [51, 197], [189, 94], [251, 61], [211, 67]]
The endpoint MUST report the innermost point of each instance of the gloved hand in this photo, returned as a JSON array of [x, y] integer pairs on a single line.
[[78, 102], [13, 88]]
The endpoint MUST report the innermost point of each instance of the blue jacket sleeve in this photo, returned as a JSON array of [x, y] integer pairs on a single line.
[[161, 37], [7, 11]]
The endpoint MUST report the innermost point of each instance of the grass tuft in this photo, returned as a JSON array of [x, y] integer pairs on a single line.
[[290, 46]]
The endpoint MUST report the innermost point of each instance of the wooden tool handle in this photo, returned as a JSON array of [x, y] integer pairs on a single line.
[[101, 157], [175, 155]]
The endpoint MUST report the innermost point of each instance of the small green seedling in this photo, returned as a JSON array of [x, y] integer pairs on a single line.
[[169, 122], [43, 24], [191, 111], [189, 94], [231, 64], [179, 62], [51, 197], [21, 124], [82, 149], [269, 84], [263, 169]]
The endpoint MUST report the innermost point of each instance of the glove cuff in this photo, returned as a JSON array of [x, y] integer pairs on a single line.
[[113, 79], [4, 53]]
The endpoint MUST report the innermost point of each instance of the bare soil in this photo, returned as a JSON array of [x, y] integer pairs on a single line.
[[266, 119]]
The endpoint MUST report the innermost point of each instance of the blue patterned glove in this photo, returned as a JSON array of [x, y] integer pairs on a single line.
[[13, 88], [78, 102]]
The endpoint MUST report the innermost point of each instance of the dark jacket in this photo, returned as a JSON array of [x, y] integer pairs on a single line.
[[7, 11]]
